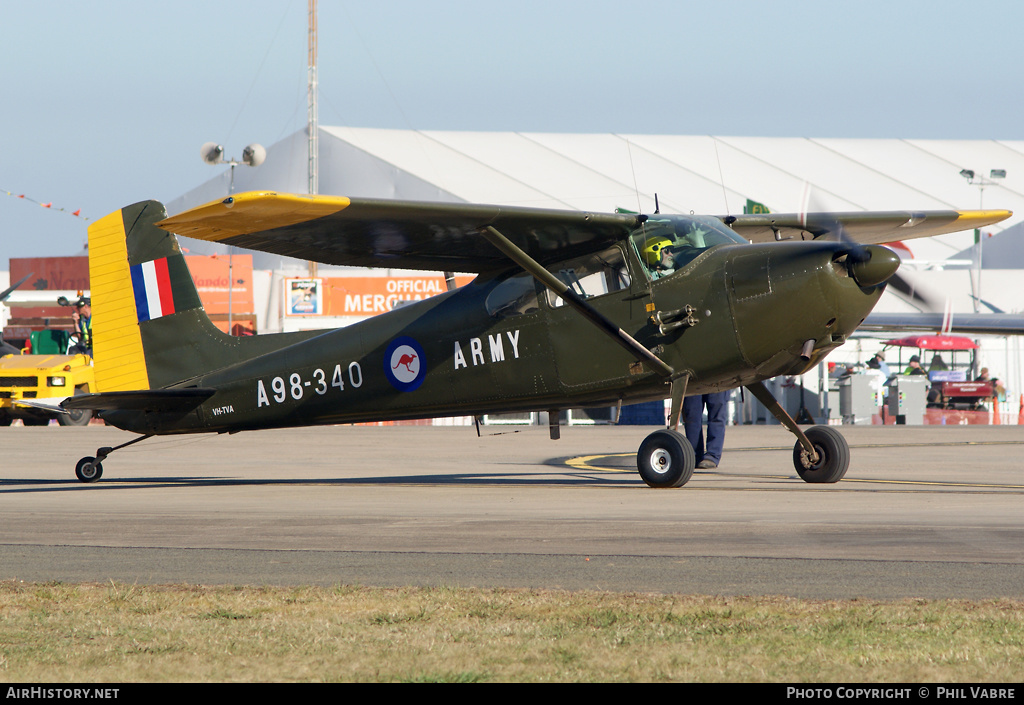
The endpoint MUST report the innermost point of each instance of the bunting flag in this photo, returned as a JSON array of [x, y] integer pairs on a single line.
[[77, 213]]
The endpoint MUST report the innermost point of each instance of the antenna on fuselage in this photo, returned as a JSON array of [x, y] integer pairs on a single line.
[[657, 208]]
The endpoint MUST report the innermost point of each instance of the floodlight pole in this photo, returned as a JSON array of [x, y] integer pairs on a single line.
[[314, 121], [981, 182], [252, 155], [313, 175]]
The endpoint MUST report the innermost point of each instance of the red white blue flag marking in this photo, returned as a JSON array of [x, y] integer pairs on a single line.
[[153, 294]]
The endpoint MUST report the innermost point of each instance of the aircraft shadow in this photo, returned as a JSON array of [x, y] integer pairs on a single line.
[[565, 478]]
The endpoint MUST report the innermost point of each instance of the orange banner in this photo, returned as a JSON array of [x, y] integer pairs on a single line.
[[213, 276], [368, 296]]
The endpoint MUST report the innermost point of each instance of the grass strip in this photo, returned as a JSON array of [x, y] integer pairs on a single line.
[[109, 633]]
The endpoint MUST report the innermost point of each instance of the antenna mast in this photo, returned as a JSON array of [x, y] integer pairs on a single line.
[[313, 127]]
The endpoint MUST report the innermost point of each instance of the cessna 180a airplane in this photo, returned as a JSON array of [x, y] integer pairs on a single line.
[[568, 310]]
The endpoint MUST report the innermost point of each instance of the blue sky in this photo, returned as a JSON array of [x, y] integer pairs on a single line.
[[106, 103]]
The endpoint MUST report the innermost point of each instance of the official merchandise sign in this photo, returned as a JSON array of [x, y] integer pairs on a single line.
[[363, 296]]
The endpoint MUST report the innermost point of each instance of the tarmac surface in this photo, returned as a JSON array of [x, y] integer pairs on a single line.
[[927, 511]]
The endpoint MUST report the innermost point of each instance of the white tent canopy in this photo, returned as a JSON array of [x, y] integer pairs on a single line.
[[704, 174], [601, 172]]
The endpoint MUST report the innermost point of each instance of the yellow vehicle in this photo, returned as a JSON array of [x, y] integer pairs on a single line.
[[32, 386]]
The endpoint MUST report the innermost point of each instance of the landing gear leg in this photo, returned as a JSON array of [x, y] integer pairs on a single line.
[[90, 469], [820, 455], [678, 392]]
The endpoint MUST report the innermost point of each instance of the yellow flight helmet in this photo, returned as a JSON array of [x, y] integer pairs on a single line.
[[652, 249]]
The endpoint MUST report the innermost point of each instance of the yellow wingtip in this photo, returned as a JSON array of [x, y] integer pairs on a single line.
[[251, 212], [978, 219]]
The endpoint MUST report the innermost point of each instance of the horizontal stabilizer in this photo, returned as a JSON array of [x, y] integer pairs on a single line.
[[51, 405], [963, 323], [170, 400]]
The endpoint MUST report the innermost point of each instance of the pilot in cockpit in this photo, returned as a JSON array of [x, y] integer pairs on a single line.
[[663, 257], [659, 256]]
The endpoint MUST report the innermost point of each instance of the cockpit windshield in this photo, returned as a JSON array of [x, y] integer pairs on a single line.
[[667, 243]]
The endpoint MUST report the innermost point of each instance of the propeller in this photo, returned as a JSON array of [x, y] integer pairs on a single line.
[[868, 265], [909, 291]]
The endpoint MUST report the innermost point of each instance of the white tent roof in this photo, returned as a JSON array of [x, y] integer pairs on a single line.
[[601, 172]]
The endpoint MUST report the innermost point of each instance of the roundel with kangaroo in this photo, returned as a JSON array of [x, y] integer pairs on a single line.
[[404, 364]]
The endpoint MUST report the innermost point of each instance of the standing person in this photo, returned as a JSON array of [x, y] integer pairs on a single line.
[[82, 316], [878, 378], [998, 390], [879, 359], [710, 455]]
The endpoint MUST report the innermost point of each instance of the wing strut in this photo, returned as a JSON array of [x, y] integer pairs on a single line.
[[560, 289]]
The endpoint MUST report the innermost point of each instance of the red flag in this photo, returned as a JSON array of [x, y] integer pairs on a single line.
[[46, 205], [78, 212]]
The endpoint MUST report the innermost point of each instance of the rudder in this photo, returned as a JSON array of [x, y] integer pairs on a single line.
[[148, 319]]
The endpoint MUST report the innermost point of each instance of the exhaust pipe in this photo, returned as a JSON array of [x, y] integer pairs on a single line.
[[807, 349]]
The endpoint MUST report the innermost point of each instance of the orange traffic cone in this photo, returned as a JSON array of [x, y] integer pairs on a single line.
[[1020, 415], [995, 410]]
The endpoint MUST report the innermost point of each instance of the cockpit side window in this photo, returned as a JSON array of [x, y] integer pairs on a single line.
[[592, 275], [514, 296]]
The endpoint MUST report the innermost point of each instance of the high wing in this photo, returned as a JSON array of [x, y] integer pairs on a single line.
[[865, 227], [398, 234], [446, 236], [964, 323]]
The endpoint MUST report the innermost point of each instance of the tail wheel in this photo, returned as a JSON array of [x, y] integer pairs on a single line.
[[89, 469], [665, 459], [833, 456]]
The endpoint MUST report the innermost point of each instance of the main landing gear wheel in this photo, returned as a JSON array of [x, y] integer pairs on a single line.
[[77, 417], [665, 459], [833, 456], [89, 469]]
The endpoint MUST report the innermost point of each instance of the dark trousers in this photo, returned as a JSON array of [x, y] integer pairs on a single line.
[[693, 411]]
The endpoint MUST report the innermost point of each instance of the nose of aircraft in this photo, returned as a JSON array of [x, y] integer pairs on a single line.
[[872, 264], [794, 302]]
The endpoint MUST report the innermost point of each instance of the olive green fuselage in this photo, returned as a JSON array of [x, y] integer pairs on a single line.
[[754, 307]]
